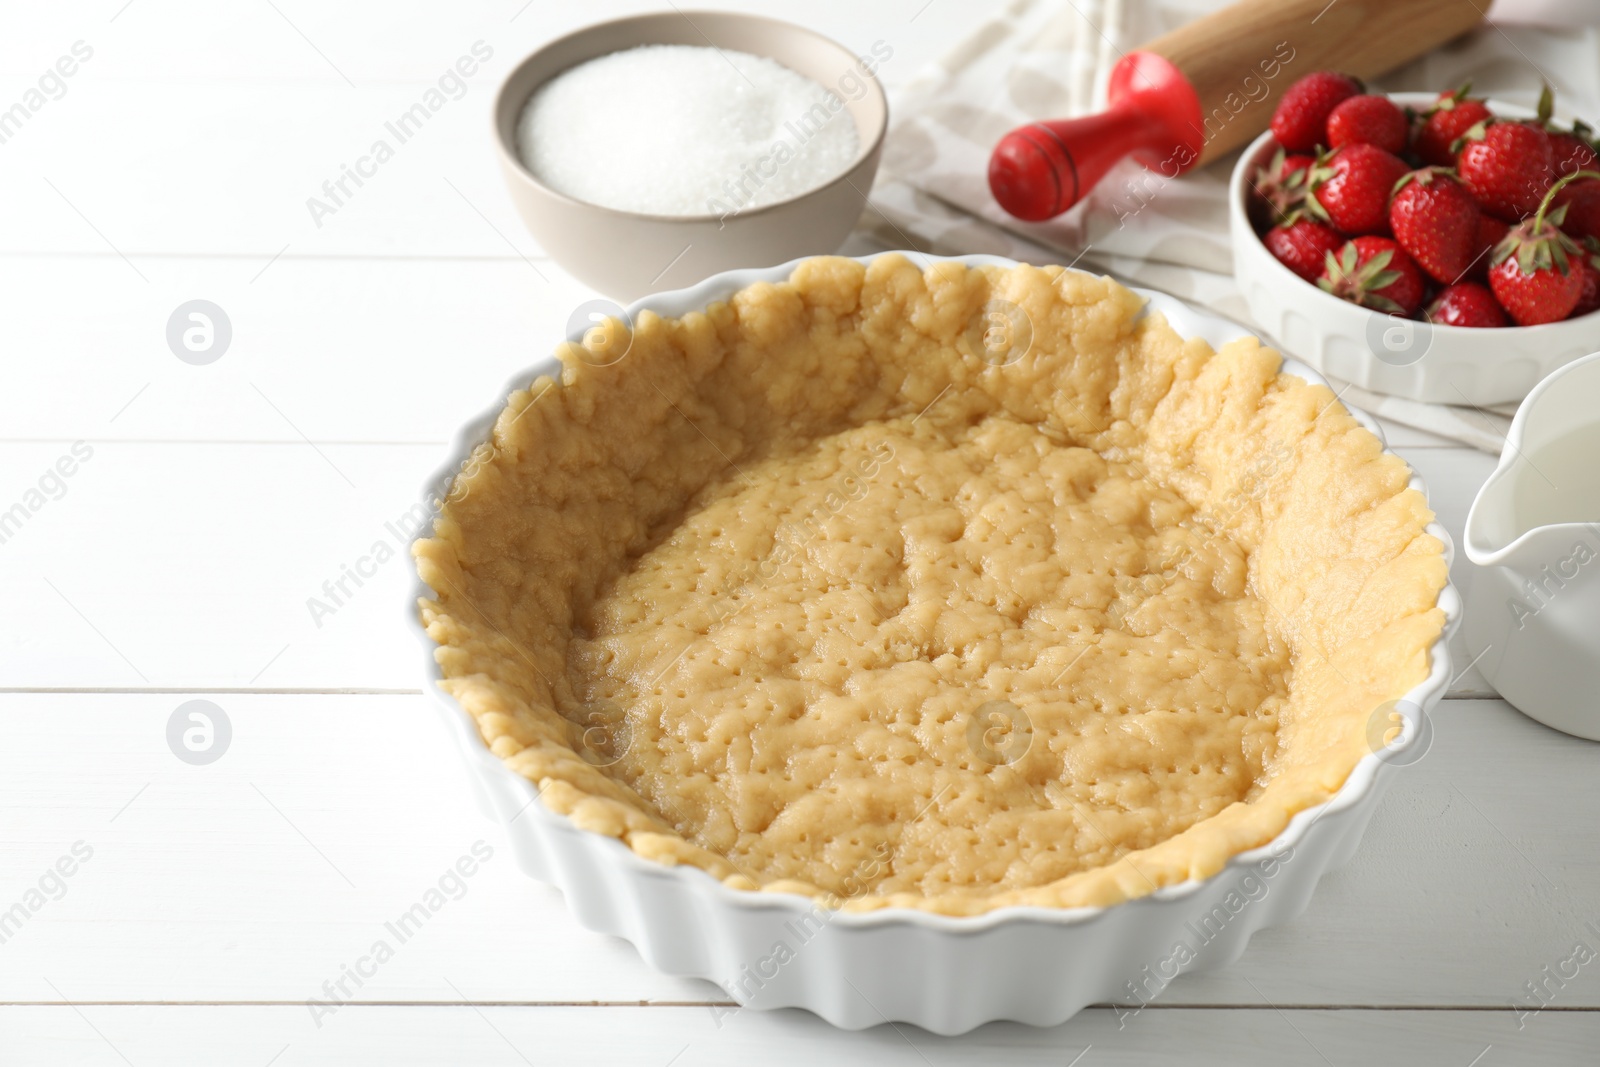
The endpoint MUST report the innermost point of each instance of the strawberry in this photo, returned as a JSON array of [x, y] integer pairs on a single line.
[[1301, 119], [1350, 188], [1534, 275], [1508, 166], [1589, 267], [1374, 120], [1451, 116], [1582, 201], [1546, 289], [1466, 304], [1571, 150], [1376, 273], [1280, 188], [1303, 246], [1435, 220], [1491, 231]]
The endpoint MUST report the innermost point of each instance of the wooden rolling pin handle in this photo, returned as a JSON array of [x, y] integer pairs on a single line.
[[1208, 87]]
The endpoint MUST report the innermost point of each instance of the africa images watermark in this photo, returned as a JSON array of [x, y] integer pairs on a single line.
[[1540, 591], [451, 885], [852, 85], [199, 732], [398, 533], [51, 885], [756, 975], [199, 332], [1540, 991], [51, 85], [1254, 88], [340, 589], [50, 486], [450, 86], [1251, 887]]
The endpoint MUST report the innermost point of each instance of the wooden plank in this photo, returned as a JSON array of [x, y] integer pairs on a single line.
[[193, 565], [688, 1036], [403, 41], [294, 94], [333, 350], [1453, 477], [259, 876], [425, 198]]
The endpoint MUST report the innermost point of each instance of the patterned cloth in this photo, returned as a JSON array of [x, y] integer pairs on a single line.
[[1050, 59]]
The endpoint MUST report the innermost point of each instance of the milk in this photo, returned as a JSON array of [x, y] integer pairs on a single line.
[[1560, 482]]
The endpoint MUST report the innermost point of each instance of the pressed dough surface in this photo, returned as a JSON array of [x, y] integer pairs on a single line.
[[807, 592], [914, 579]]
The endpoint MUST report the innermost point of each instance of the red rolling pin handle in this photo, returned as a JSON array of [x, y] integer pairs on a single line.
[[1204, 89], [1153, 115]]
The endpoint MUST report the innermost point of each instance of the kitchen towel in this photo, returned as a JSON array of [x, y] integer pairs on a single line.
[[1037, 59]]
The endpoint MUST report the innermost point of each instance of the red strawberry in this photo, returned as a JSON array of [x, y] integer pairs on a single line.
[[1491, 231], [1582, 201], [1280, 188], [1302, 246], [1435, 220], [1589, 267], [1301, 119], [1451, 116], [1534, 275], [1546, 290], [1571, 150], [1466, 304], [1350, 188], [1508, 166], [1374, 120], [1376, 273]]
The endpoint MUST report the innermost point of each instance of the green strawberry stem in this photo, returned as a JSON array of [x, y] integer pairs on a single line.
[[1549, 198], [1422, 176], [1537, 247]]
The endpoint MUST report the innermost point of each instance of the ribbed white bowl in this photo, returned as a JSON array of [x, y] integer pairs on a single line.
[[1398, 357], [945, 974]]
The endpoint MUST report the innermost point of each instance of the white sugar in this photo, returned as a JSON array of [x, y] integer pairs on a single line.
[[680, 130]]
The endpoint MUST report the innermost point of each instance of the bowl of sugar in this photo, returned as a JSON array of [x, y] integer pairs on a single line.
[[647, 153]]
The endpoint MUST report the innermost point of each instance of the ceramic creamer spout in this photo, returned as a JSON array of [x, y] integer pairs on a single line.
[[1554, 416], [1493, 538]]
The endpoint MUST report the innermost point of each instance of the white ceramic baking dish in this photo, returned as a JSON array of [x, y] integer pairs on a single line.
[[945, 974], [1399, 357]]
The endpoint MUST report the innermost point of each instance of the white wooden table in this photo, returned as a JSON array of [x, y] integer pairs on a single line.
[[207, 903]]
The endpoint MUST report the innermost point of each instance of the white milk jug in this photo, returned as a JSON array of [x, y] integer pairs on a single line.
[[1533, 607]]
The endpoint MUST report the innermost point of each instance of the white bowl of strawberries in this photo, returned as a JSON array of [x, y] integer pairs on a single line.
[[1439, 248]]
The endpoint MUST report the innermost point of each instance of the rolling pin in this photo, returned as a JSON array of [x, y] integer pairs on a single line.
[[1206, 88]]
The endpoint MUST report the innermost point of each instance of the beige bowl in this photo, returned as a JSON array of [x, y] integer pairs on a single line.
[[624, 254]]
